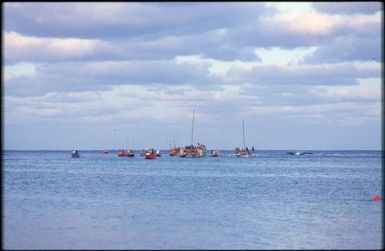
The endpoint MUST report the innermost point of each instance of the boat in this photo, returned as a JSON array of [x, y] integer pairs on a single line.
[[105, 151], [243, 152], [298, 153], [215, 153], [192, 151], [130, 153], [75, 154], [122, 153], [150, 154], [158, 154], [173, 150]]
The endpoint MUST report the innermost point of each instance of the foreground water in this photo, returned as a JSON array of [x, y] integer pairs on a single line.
[[272, 201]]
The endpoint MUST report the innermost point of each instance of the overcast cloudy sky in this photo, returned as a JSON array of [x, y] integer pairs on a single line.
[[110, 75]]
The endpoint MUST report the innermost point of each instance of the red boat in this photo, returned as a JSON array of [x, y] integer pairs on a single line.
[[150, 154], [122, 153]]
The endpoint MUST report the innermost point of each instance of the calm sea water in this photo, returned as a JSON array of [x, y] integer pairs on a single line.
[[272, 201]]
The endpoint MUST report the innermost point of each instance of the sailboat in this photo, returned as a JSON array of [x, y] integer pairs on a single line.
[[173, 150], [243, 152], [193, 151]]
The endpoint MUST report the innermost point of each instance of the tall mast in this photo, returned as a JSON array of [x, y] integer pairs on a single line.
[[243, 126], [192, 128]]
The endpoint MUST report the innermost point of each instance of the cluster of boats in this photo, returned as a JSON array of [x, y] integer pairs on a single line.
[[190, 151]]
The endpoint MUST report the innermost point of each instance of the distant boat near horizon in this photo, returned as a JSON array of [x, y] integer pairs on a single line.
[[243, 152], [150, 154], [215, 153], [192, 151], [123, 153], [130, 153], [298, 153], [75, 154]]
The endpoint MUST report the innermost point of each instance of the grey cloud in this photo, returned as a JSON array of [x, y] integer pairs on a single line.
[[208, 45], [348, 7], [277, 33], [340, 74], [126, 19], [78, 76], [347, 49]]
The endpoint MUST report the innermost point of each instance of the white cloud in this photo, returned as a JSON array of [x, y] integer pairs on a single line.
[[348, 7], [18, 47], [320, 24], [363, 91], [303, 74]]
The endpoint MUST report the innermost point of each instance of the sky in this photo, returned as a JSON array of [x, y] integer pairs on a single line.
[[129, 75]]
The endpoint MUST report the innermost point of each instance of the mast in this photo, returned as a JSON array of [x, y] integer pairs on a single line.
[[192, 128], [243, 127]]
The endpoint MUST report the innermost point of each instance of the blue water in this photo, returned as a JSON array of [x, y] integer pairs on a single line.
[[272, 201]]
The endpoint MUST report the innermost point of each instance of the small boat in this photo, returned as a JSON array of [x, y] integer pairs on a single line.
[[122, 153], [105, 151], [75, 154], [158, 154], [150, 154], [243, 152], [296, 153], [130, 153], [173, 152], [215, 153]]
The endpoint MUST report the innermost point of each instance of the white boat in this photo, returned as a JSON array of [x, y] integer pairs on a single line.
[[298, 153], [75, 154], [243, 152], [215, 153]]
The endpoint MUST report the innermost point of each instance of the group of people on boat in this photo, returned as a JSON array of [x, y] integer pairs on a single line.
[[174, 151], [123, 153], [191, 150], [244, 152]]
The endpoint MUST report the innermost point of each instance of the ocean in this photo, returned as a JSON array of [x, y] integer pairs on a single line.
[[321, 200]]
